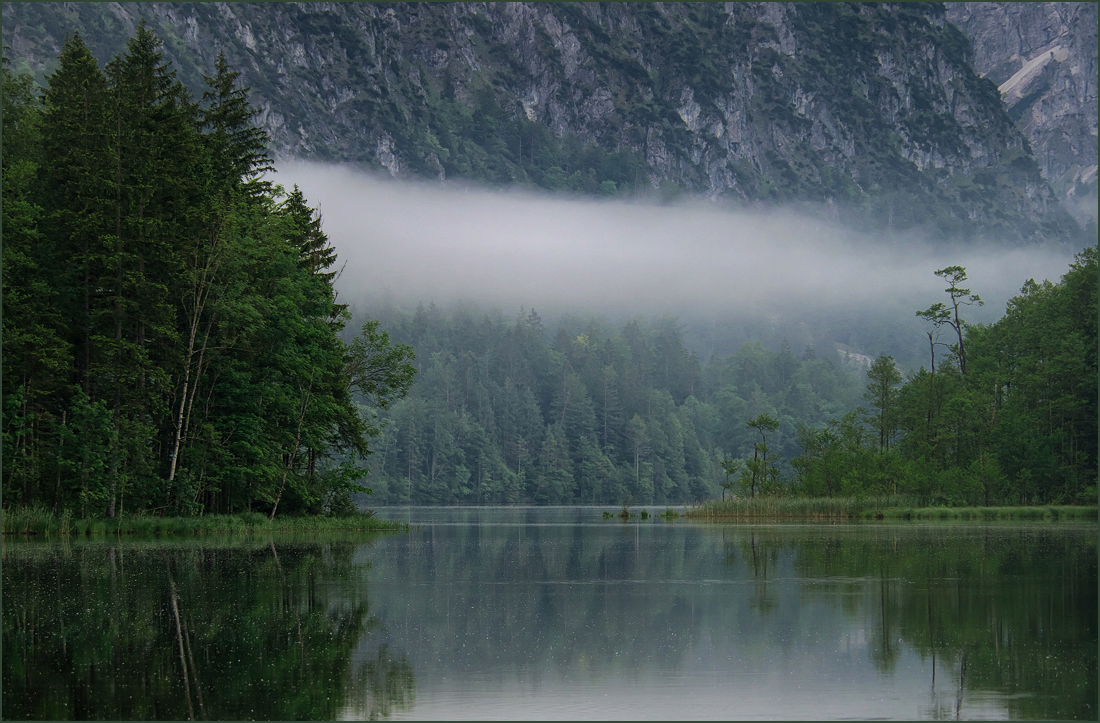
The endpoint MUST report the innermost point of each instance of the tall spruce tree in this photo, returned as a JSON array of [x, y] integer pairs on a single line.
[[79, 189], [305, 234], [236, 147], [154, 143], [883, 380], [35, 353]]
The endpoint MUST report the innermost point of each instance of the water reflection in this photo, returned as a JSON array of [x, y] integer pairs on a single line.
[[518, 618], [252, 630], [555, 613]]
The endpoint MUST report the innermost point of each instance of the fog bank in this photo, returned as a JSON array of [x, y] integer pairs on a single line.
[[422, 242]]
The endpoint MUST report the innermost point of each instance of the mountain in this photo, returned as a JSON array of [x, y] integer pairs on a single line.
[[872, 113], [1043, 58]]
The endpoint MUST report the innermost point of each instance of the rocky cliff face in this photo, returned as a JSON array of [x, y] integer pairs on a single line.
[[1043, 58], [874, 112]]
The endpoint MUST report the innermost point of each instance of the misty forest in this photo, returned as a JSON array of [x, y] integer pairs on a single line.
[[505, 411], [173, 344], [528, 361]]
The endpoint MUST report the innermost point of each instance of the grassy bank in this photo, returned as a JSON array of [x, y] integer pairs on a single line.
[[900, 507], [35, 521], [1050, 512]]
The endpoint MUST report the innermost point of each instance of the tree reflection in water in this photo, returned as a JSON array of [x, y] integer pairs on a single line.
[[1002, 620], [596, 604], [259, 630]]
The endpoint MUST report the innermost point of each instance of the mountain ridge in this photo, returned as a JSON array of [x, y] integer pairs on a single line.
[[872, 114]]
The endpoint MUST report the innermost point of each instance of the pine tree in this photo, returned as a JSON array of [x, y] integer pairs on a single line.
[[233, 153], [304, 233], [79, 187], [35, 368], [155, 145], [884, 378], [237, 149]]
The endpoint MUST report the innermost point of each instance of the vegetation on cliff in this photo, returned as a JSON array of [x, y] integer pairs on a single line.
[[872, 111]]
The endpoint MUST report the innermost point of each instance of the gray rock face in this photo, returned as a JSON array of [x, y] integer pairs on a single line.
[[874, 112], [1043, 57]]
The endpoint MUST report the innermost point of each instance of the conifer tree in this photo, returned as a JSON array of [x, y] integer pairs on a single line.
[[79, 186], [154, 141], [884, 378], [35, 368], [237, 149], [305, 234], [233, 154]]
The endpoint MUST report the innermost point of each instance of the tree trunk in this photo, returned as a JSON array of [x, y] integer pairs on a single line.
[[306, 402], [755, 458]]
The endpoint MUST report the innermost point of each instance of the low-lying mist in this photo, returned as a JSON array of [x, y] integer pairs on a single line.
[[410, 242]]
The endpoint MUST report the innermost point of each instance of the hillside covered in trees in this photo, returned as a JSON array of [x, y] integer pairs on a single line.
[[504, 410], [171, 335]]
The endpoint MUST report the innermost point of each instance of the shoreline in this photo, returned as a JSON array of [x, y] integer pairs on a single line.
[[38, 522], [877, 508]]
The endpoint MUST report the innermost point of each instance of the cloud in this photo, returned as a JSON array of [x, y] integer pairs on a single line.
[[417, 241]]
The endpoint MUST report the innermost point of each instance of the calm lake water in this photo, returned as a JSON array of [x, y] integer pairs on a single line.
[[555, 613]]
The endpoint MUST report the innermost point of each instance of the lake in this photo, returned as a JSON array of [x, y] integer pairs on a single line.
[[557, 613]]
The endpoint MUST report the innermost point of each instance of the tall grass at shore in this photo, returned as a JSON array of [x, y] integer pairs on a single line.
[[39, 521], [1050, 512], [894, 507], [796, 507]]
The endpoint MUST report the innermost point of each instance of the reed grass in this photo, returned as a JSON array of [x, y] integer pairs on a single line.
[[1050, 512], [798, 508], [43, 522], [894, 507]]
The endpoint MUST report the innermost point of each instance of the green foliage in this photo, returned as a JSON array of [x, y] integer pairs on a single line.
[[1007, 417], [503, 411], [730, 466], [84, 449], [757, 472], [172, 342], [881, 394]]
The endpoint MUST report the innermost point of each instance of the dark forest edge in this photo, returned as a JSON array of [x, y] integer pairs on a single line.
[[172, 343]]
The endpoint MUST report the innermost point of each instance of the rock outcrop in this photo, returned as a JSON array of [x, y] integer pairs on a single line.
[[873, 112], [1042, 55]]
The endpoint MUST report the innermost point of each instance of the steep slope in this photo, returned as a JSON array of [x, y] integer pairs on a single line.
[[874, 112], [1043, 57]]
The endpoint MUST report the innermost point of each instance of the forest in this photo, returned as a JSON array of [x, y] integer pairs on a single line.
[[173, 344], [505, 410]]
